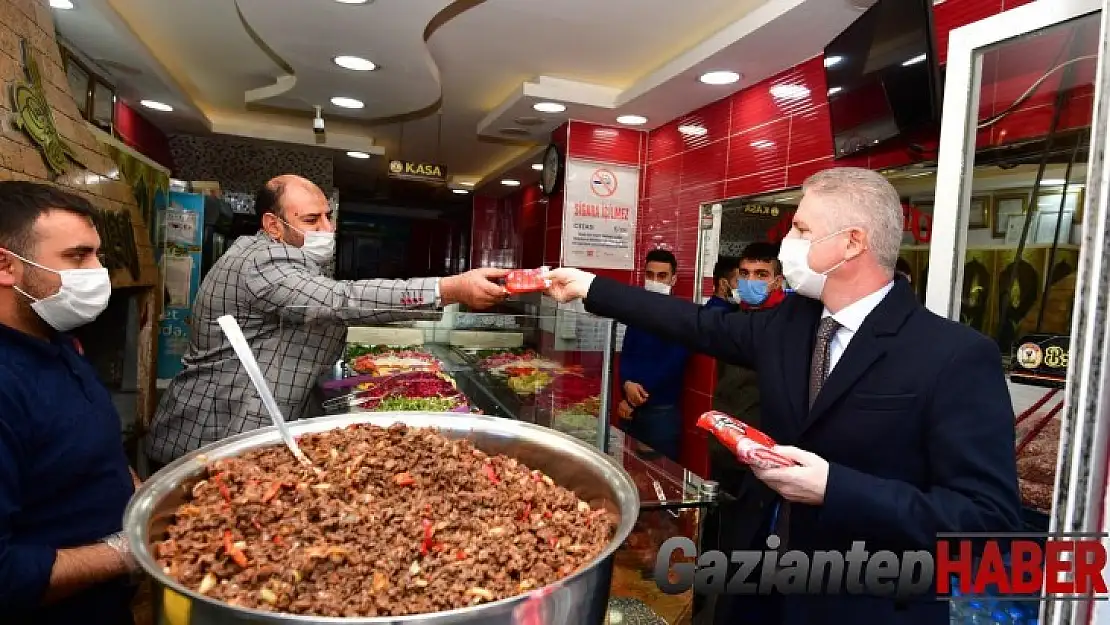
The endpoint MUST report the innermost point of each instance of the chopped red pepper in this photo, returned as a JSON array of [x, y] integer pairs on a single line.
[[234, 552], [427, 545], [404, 479], [278, 540], [460, 555], [224, 492], [547, 514], [552, 540], [490, 473], [536, 477]]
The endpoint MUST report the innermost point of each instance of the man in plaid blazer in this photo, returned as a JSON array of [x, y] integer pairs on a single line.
[[294, 316]]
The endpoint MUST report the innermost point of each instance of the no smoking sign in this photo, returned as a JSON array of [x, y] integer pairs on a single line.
[[603, 183]]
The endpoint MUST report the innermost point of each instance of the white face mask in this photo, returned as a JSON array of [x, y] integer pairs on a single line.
[[319, 247], [794, 256], [83, 296], [657, 287]]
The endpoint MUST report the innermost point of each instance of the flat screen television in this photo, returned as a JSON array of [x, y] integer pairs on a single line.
[[883, 76]]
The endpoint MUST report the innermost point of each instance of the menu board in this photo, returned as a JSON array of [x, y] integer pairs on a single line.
[[599, 215]]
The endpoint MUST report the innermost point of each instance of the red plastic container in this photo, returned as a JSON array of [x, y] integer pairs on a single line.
[[527, 280], [748, 444]]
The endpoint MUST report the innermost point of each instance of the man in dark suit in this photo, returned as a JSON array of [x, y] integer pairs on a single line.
[[900, 421]]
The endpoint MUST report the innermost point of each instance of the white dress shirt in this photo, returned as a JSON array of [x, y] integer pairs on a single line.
[[850, 319]]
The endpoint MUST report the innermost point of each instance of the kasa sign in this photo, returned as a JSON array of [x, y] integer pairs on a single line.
[[419, 172]]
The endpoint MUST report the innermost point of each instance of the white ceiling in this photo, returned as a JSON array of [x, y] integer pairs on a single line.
[[453, 73]]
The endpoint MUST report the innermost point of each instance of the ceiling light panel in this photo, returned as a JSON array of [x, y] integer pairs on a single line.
[[632, 120], [156, 106], [549, 107], [720, 77], [347, 103], [355, 63]]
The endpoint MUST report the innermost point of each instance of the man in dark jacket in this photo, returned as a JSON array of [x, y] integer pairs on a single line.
[[651, 372], [900, 421]]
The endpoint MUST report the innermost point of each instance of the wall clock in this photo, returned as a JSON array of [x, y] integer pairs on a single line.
[[552, 169]]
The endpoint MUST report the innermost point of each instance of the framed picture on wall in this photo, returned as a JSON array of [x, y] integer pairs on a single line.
[[979, 213], [1005, 207]]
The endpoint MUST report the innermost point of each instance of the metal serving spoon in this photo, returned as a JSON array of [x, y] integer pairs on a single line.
[[243, 351]]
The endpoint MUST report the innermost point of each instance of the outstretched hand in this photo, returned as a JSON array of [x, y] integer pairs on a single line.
[[569, 284], [475, 288]]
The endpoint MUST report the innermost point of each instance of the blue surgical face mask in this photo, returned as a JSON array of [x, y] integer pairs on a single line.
[[753, 292]]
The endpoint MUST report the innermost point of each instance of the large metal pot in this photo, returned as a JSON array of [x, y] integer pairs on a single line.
[[580, 599]]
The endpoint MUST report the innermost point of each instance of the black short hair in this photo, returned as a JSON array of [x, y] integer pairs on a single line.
[[268, 198], [662, 256], [724, 268], [763, 252], [21, 205]]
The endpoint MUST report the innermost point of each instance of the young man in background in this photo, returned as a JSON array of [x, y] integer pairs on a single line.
[[726, 274], [760, 283], [652, 372]]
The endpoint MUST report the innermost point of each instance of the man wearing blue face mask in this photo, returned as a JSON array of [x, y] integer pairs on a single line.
[[64, 477], [759, 286], [294, 315]]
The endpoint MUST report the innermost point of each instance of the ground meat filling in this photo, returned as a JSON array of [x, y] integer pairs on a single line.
[[400, 521]]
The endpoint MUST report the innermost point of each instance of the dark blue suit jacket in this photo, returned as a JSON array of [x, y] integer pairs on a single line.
[[915, 421]]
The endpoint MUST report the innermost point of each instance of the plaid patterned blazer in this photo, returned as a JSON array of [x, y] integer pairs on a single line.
[[295, 319]]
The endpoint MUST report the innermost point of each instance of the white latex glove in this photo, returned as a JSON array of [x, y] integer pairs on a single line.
[[569, 284]]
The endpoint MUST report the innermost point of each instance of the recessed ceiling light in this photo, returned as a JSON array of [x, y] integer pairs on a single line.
[[763, 144], [358, 155], [510, 183], [537, 166], [355, 63], [459, 191], [835, 90], [631, 120], [352, 1], [64, 5], [719, 78], [830, 61], [347, 103], [692, 130], [549, 107], [467, 184], [914, 61], [789, 92], [157, 106]]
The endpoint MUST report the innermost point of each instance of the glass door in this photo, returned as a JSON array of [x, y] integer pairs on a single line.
[[1017, 246]]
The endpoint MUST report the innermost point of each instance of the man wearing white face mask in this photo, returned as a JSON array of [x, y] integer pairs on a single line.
[[294, 316], [651, 371], [64, 477], [900, 421]]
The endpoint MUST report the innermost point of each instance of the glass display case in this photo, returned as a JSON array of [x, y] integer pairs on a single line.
[[533, 361]]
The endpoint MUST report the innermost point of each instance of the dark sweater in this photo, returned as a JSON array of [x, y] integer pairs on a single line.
[[64, 479], [655, 364]]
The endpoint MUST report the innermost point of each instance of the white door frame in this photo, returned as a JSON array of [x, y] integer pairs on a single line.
[[1080, 502]]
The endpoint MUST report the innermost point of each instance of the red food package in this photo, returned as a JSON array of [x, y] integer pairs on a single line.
[[748, 444], [527, 280]]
